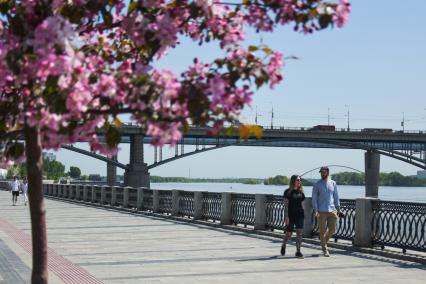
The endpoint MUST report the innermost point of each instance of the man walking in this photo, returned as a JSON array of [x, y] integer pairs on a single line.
[[15, 190], [326, 204]]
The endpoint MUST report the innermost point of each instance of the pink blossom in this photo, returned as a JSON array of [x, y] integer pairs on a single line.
[[342, 13]]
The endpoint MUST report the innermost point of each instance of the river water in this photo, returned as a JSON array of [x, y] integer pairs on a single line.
[[412, 194]]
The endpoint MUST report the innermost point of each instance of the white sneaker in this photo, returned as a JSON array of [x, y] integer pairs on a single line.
[[325, 253]]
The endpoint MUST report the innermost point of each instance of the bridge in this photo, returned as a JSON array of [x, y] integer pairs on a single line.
[[406, 146]]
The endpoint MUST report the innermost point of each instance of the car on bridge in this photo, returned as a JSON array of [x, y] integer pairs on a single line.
[[323, 128]]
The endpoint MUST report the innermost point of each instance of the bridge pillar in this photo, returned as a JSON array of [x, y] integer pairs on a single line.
[[112, 173], [372, 173], [137, 174]]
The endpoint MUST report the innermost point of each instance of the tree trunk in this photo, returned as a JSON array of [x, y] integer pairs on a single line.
[[33, 152]]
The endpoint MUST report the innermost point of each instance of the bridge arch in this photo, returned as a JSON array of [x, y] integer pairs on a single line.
[[339, 166], [342, 144], [94, 155]]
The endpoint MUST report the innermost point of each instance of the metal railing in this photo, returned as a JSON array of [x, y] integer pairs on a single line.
[[399, 224], [165, 201], [243, 209], [212, 205], [186, 203], [393, 223], [148, 199], [345, 227], [274, 212]]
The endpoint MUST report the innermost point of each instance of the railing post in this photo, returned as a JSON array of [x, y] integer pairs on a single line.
[[113, 195], [103, 194], [226, 213], [260, 212], [126, 197], [85, 190], [55, 190], [308, 224], [155, 200], [60, 190], [363, 221], [77, 192], [175, 202], [139, 199], [65, 192], [198, 205], [93, 194], [71, 193]]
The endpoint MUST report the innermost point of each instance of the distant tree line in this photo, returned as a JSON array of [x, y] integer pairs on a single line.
[[385, 179], [283, 180], [155, 179], [52, 169]]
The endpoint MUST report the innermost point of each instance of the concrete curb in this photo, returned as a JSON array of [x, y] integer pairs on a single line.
[[251, 232]]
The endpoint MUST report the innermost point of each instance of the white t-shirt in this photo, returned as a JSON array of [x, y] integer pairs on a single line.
[[15, 185]]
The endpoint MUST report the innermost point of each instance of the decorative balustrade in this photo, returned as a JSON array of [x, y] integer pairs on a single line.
[[133, 197], [345, 227], [274, 212], [367, 221], [212, 205], [186, 203], [165, 201], [399, 224], [148, 200], [242, 209]]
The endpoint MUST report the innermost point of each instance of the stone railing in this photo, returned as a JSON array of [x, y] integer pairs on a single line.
[[367, 221]]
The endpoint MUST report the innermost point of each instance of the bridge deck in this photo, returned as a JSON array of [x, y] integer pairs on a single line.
[[90, 245]]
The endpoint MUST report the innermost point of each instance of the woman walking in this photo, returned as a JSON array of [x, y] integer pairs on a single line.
[[294, 214], [24, 189]]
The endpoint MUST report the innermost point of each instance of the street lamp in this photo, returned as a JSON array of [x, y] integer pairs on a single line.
[[348, 115]]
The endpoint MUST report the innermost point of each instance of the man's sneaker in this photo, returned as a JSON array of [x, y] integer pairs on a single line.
[[282, 250], [299, 254], [325, 253]]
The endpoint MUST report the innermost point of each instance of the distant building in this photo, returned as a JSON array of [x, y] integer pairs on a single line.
[[3, 173], [421, 174], [49, 156]]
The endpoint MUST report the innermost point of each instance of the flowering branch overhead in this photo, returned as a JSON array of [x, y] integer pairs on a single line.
[[70, 67]]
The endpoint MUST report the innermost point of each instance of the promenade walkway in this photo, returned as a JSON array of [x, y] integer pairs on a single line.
[[94, 245]]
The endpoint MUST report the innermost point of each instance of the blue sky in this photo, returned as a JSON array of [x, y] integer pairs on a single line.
[[375, 67]]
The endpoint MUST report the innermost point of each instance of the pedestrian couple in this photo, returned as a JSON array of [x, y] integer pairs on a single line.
[[17, 187], [326, 206]]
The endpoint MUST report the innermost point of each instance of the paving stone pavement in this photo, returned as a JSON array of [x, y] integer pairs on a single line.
[[95, 245]]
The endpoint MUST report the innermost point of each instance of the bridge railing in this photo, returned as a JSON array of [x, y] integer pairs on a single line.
[[243, 209], [399, 224], [367, 222], [274, 212], [345, 227]]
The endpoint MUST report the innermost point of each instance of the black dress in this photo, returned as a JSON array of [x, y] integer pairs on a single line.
[[295, 209]]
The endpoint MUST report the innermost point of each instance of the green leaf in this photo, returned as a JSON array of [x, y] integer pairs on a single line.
[[107, 18], [253, 48], [132, 6]]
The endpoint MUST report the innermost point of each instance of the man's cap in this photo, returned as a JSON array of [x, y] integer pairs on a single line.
[[324, 168]]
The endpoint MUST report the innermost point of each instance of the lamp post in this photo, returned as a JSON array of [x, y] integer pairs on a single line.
[[348, 116]]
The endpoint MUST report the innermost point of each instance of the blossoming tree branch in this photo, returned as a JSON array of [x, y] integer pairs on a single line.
[[70, 67]]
